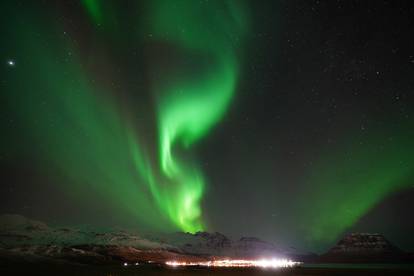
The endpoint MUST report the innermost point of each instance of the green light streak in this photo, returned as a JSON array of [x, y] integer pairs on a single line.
[[93, 7], [189, 107]]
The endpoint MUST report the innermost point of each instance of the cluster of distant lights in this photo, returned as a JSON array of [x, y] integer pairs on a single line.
[[264, 263], [130, 264]]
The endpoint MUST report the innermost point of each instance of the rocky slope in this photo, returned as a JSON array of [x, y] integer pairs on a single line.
[[217, 244], [30, 240]]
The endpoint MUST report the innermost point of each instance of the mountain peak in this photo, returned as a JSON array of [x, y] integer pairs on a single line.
[[365, 248], [363, 243]]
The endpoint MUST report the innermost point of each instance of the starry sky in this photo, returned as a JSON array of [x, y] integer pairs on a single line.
[[291, 121]]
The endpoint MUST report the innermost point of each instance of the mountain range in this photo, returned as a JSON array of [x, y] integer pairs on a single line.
[[23, 239]]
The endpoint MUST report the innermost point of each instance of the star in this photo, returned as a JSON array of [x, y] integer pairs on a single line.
[[11, 63]]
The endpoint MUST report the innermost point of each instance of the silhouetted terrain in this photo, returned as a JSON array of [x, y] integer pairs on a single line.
[[27, 241]]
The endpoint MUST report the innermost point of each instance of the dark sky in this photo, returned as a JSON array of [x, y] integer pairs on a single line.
[[314, 140]]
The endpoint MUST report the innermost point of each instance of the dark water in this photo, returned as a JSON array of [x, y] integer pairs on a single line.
[[308, 270]]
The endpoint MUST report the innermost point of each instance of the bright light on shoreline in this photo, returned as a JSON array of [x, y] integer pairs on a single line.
[[264, 263]]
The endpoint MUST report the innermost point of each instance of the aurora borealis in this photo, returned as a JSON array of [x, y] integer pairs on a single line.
[[186, 109], [288, 121], [189, 106]]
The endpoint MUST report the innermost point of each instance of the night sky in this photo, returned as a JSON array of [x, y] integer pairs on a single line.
[[287, 120]]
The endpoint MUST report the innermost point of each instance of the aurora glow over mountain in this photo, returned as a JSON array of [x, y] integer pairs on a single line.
[[288, 121]]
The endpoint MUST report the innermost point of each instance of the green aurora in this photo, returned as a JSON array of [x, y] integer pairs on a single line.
[[350, 180], [147, 170], [189, 107], [81, 131]]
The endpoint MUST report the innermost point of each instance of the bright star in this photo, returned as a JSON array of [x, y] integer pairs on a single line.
[[11, 63]]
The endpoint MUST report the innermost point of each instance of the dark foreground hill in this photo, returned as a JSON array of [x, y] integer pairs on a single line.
[[365, 248]]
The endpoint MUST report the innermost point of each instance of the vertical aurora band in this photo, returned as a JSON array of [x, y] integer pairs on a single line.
[[188, 105]]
